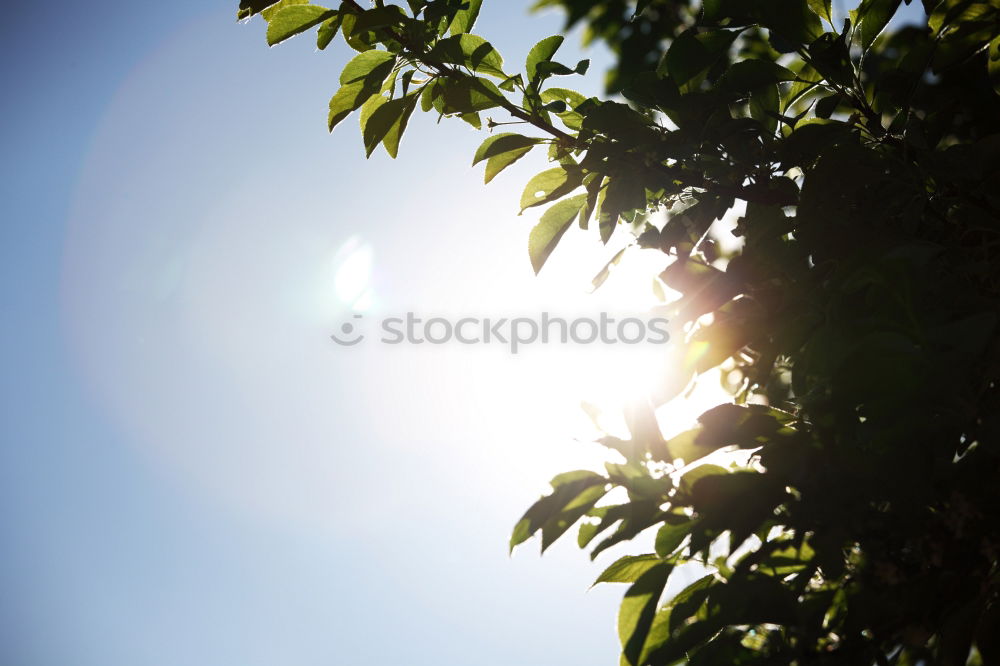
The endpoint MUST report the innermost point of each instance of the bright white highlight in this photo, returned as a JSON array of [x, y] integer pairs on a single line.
[[352, 266]]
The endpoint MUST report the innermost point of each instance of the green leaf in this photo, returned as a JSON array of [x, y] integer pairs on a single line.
[[748, 75], [873, 16], [481, 56], [826, 106], [746, 427], [634, 476], [498, 163], [377, 18], [386, 123], [550, 229], [465, 18], [348, 98], [511, 83], [640, 515], [764, 105], [406, 80], [628, 569], [473, 118], [470, 94], [571, 99], [290, 21], [395, 133], [739, 502], [605, 221], [959, 16], [471, 51], [669, 537], [369, 65], [429, 94], [823, 8], [608, 516], [548, 68], [248, 8], [361, 78], [687, 644], [684, 446], [700, 472], [327, 31], [573, 494], [791, 20], [693, 52], [541, 52], [807, 79], [550, 185], [368, 109], [689, 600], [705, 287], [830, 56], [635, 616], [594, 192], [357, 39], [625, 193], [275, 7], [711, 345], [505, 142], [615, 119], [575, 509]]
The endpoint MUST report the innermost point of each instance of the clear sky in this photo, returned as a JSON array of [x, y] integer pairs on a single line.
[[190, 471]]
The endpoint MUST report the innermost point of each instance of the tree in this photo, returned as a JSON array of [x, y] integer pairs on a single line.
[[858, 322]]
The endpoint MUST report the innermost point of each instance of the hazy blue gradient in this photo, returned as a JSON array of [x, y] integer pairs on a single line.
[[190, 472]]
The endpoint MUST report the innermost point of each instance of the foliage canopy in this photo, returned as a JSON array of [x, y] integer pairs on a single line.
[[858, 321]]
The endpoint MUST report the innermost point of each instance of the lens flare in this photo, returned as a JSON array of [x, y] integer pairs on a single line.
[[352, 266]]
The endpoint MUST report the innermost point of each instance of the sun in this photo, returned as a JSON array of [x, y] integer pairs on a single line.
[[558, 393], [549, 400]]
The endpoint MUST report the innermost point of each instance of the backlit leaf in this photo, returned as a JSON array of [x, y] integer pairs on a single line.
[[465, 18], [550, 229], [471, 51], [290, 21], [628, 569], [635, 616], [501, 143], [550, 185], [368, 65], [541, 52], [873, 16]]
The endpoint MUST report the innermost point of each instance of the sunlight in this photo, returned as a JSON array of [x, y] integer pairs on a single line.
[[580, 392], [608, 378], [281, 424], [352, 265]]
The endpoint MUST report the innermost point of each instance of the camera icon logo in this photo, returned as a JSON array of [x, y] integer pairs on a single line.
[[350, 333]]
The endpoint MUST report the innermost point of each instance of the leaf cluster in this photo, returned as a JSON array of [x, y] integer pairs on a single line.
[[857, 324]]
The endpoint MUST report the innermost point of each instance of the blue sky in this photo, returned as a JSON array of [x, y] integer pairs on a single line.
[[191, 473]]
